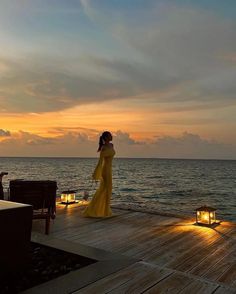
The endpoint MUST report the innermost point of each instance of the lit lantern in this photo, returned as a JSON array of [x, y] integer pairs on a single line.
[[68, 197], [206, 215]]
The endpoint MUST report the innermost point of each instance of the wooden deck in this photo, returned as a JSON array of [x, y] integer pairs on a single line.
[[175, 255]]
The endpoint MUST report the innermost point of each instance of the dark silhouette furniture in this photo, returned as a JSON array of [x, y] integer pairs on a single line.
[[15, 232], [40, 194]]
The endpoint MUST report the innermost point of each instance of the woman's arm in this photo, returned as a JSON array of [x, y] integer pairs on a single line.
[[97, 174]]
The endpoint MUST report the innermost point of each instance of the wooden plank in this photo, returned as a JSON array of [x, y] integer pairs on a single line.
[[66, 219], [172, 284], [154, 240], [225, 290], [199, 287], [173, 250], [142, 244], [127, 276], [198, 253], [102, 227], [81, 226], [143, 282], [229, 276], [213, 258], [115, 233], [222, 269], [134, 240]]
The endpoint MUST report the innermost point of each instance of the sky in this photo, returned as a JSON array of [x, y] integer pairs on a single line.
[[159, 74]]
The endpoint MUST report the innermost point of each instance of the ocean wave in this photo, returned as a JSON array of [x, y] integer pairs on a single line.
[[128, 190], [175, 185], [154, 177]]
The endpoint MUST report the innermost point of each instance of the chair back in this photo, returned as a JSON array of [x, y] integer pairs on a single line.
[[40, 194]]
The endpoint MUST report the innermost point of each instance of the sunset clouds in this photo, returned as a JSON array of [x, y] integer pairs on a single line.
[[75, 143], [153, 69]]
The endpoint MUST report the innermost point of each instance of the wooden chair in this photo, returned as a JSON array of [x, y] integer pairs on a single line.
[[40, 194]]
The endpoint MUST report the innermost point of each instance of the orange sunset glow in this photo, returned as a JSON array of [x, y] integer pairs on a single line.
[[157, 82]]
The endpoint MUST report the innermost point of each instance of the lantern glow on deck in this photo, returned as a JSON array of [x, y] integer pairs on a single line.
[[206, 216], [68, 197]]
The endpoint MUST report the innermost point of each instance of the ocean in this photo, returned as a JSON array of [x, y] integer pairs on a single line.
[[177, 186]]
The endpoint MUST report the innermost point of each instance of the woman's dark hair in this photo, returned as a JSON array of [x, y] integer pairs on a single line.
[[102, 139]]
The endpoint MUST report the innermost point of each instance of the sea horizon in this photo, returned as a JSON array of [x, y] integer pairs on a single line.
[[123, 157]]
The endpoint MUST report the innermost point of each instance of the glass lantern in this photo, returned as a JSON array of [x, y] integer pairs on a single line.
[[68, 197], [206, 215]]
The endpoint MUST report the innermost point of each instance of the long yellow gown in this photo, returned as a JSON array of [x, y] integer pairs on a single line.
[[100, 203]]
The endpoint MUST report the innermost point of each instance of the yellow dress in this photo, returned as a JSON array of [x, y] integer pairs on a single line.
[[100, 203]]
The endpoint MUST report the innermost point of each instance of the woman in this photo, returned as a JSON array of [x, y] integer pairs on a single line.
[[100, 204]]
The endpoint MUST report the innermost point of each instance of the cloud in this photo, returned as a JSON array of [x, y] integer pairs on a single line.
[[88, 9], [172, 54], [185, 48], [35, 88], [192, 146], [23, 143], [76, 144], [124, 138], [4, 133], [40, 141]]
